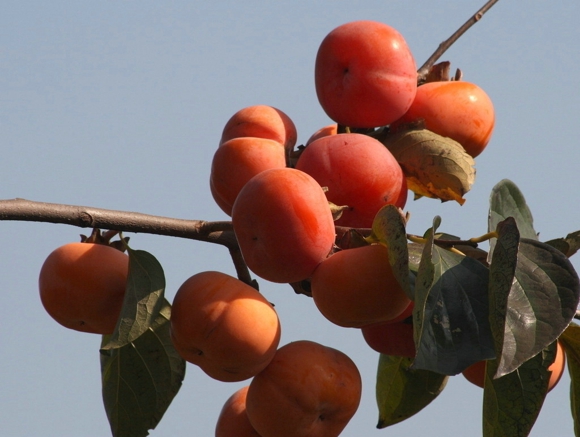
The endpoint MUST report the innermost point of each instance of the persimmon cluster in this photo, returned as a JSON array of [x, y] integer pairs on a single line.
[[285, 203]]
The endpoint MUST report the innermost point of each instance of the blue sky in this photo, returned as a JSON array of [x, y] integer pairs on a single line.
[[120, 105]]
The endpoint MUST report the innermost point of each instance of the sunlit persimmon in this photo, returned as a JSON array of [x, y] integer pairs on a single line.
[[459, 110], [331, 129], [261, 121], [365, 74], [233, 420], [357, 287], [224, 326], [82, 286], [307, 390], [283, 224], [476, 372]]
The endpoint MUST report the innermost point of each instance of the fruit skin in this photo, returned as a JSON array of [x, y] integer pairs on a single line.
[[331, 129], [356, 287], [476, 372], [224, 326], [233, 420], [365, 75], [391, 338], [459, 110], [308, 390], [236, 161], [261, 121], [283, 225], [359, 172], [82, 286]]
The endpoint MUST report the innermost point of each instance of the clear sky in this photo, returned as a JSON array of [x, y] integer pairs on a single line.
[[121, 104]]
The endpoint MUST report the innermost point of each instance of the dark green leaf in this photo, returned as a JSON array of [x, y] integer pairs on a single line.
[[141, 379], [570, 339], [401, 391], [143, 298], [569, 245], [389, 230], [511, 404], [534, 292], [450, 316], [507, 200]]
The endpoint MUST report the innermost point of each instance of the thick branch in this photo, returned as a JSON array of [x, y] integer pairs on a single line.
[[444, 46]]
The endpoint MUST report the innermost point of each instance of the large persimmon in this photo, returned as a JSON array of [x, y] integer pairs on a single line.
[[359, 172], [357, 287], [261, 121], [224, 326], [307, 390], [365, 74], [233, 420], [82, 286], [283, 224], [459, 110]]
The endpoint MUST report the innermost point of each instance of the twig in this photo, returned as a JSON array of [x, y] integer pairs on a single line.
[[219, 232], [444, 46]]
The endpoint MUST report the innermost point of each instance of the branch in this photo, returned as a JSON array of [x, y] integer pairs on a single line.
[[444, 46], [219, 232]]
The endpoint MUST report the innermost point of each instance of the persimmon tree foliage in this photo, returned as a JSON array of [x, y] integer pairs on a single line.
[[434, 305]]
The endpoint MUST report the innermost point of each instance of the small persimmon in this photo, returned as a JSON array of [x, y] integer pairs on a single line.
[[82, 286], [233, 420]]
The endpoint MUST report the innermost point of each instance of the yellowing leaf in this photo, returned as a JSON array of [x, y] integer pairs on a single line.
[[435, 166]]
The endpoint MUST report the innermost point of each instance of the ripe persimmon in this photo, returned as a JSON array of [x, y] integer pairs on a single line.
[[391, 338], [224, 326], [365, 74], [307, 390], [261, 121], [233, 420], [283, 224], [357, 287], [476, 372], [82, 286]]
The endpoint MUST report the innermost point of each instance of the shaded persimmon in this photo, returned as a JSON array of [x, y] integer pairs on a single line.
[[391, 338], [236, 162], [283, 224], [82, 286], [233, 420], [261, 121], [359, 172], [357, 287], [307, 390], [476, 372], [224, 326]]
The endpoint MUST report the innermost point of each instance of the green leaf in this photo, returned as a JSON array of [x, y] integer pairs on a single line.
[[569, 245], [511, 404], [534, 292], [570, 339], [450, 316], [143, 298], [402, 391], [389, 230], [141, 379], [507, 200]]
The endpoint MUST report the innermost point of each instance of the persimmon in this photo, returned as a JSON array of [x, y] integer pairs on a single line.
[[459, 110], [307, 390], [283, 224], [476, 372], [261, 121], [82, 286], [224, 326], [365, 74], [236, 161], [357, 287], [359, 172], [331, 129], [233, 420], [391, 338]]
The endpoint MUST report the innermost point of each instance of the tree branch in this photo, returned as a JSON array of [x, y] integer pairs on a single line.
[[219, 232], [444, 46]]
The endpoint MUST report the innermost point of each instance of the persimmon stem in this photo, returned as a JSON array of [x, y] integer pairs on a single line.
[[444, 46], [218, 232]]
